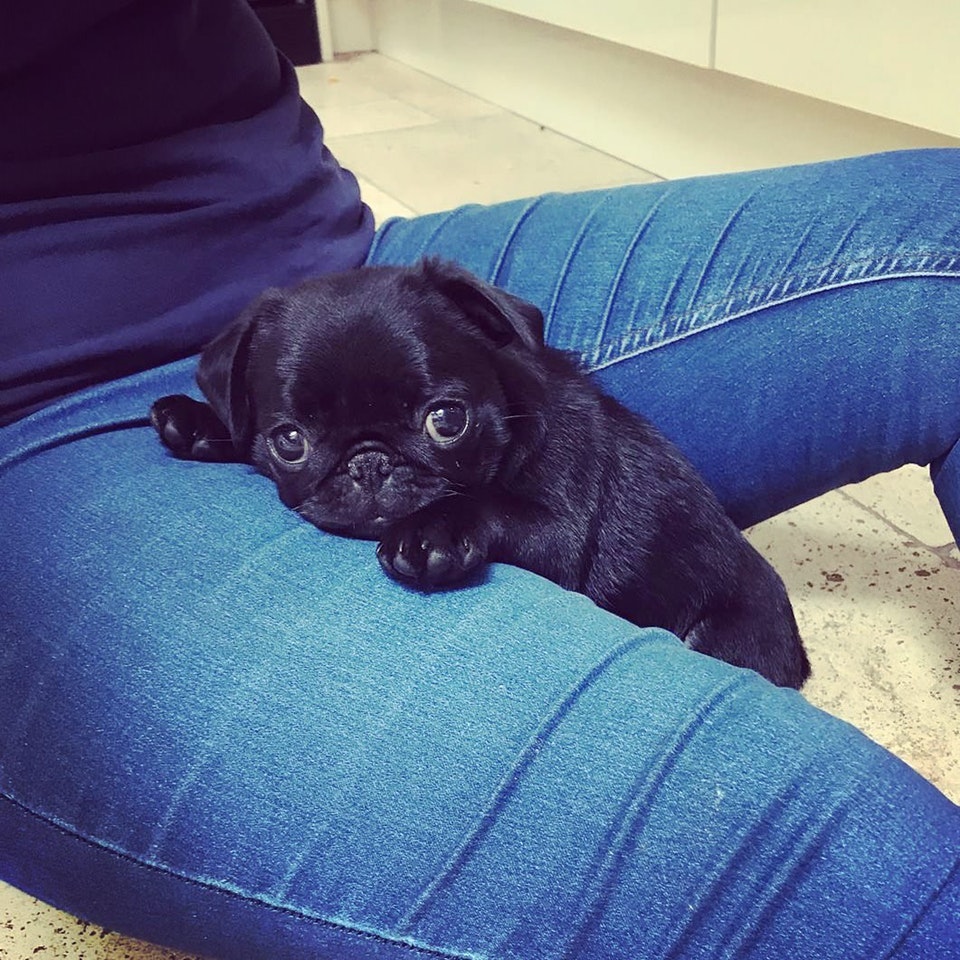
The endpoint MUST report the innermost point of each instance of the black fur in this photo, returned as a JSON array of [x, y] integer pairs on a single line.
[[548, 473]]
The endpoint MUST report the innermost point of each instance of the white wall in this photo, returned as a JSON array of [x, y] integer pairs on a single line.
[[681, 29], [671, 117], [894, 59], [350, 26]]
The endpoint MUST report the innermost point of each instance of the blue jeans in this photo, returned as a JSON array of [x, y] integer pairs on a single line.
[[228, 732]]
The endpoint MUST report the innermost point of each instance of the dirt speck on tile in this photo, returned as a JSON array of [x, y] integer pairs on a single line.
[[31, 930], [880, 615]]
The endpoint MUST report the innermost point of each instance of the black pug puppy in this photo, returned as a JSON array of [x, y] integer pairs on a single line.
[[419, 406]]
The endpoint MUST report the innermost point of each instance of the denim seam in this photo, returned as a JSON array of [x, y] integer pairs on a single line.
[[715, 314], [31, 448], [226, 890]]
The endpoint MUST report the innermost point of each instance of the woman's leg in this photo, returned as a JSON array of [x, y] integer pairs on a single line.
[[792, 330], [223, 730]]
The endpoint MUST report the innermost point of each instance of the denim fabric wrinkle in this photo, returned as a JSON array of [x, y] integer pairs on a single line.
[[525, 214], [626, 830], [513, 776], [917, 921], [625, 260], [786, 855], [718, 244], [443, 223], [572, 252]]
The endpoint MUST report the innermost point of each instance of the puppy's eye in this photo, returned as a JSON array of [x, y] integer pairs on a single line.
[[288, 444], [446, 422]]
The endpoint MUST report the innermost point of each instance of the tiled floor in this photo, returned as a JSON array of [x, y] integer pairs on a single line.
[[873, 572]]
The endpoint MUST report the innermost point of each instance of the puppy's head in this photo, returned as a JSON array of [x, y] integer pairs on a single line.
[[369, 394]]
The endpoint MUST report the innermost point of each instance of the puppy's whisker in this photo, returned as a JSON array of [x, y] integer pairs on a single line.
[[462, 493]]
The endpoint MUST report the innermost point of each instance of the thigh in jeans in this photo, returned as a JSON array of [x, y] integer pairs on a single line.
[[792, 330], [227, 732]]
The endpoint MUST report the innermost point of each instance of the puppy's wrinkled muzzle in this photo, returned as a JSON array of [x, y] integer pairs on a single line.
[[368, 492]]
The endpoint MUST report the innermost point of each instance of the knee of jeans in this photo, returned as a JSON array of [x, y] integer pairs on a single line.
[[945, 473]]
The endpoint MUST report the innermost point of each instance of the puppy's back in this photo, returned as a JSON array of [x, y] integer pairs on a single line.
[[656, 546]]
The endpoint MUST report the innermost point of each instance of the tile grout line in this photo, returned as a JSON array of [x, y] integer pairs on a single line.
[[403, 203], [941, 553]]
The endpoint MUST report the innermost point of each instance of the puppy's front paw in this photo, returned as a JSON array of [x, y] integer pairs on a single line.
[[432, 548], [191, 429]]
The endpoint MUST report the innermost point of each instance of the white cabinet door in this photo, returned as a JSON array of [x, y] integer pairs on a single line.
[[898, 60], [680, 29]]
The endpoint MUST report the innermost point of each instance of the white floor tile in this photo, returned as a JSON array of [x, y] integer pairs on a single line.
[[371, 73], [30, 930], [482, 160], [880, 617], [382, 204], [373, 116], [323, 87], [906, 499]]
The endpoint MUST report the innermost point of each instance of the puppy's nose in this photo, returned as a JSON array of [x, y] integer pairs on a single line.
[[370, 467]]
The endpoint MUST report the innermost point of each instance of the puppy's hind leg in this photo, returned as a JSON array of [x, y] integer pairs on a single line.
[[192, 430], [758, 638]]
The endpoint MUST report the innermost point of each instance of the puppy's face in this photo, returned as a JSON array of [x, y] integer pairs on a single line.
[[374, 414], [367, 395]]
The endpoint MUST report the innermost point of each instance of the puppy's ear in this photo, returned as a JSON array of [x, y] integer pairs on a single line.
[[222, 372], [503, 317]]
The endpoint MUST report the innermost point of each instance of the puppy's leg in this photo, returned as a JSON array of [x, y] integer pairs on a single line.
[[757, 631], [444, 542], [439, 545], [192, 430]]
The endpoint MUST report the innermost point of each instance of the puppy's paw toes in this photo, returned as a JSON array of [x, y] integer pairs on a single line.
[[174, 420], [429, 554], [190, 429]]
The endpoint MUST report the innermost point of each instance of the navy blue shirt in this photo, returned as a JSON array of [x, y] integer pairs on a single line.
[[158, 170]]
